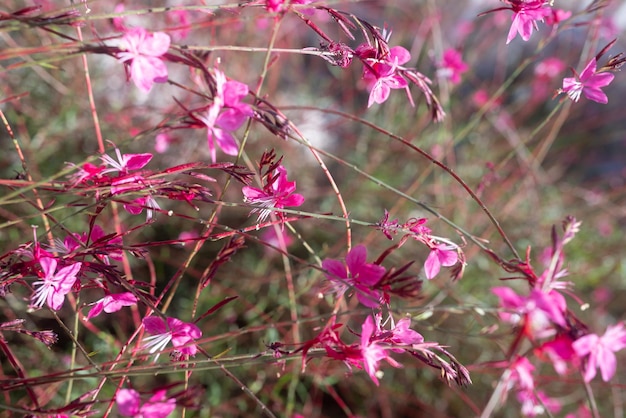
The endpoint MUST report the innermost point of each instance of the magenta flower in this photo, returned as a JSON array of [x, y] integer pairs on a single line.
[[129, 404], [112, 303], [182, 335], [526, 13], [143, 51], [403, 335], [277, 193], [400, 334], [372, 351], [440, 255], [600, 351], [55, 284], [356, 273], [382, 76], [452, 66], [588, 83]]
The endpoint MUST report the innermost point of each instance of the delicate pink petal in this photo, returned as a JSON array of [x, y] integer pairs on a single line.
[[596, 95], [230, 120], [607, 362], [226, 142], [252, 193], [136, 161], [335, 268], [356, 258], [432, 265], [155, 45], [154, 325], [399, 55], [368, 297]]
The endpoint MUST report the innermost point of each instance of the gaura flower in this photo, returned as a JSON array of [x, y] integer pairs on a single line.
[[55, 284], [278, 192], [600, 351], [143, 51], [588, 83], [356, 273], [181, 334], [112, 303]]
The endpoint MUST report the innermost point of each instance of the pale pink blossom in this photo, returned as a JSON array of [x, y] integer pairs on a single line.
[[143, 50], [600, 351], [55, 284]]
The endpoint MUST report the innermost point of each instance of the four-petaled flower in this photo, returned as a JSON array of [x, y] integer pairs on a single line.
[[182, 335], [277, 193], [143, 50], [129, 404], [382, 75], [112, 303], [356, 273], [55, 284], [588, 83], [600, 351]]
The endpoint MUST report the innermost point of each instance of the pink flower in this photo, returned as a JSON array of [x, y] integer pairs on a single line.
[[228, 94], [125, 162], [129, 404], [372, 351], [112, 303], [143, 50], [402, 334], [182, 335], [381, 76], [358, 274], [55, 285], [600, 351], [588, 83], [452, 66], [537, 312], [440, 255], [277, 193], [526, 13]]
